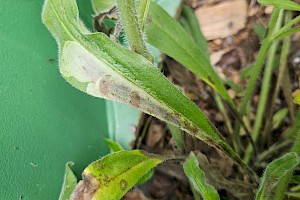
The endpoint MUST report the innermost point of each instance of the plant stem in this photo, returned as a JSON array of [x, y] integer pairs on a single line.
[[287, 26], [264, 94], [143, 13], [259, 62], [281, 74], [144, 131], [275, 148], [256, 69], [221, 107], [131, 26], [264, 91]]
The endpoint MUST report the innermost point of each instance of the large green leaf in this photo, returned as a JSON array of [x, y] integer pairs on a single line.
[[114, 175], [166, 34], [282, 4], [197, 178], [70, 182], [96, 65], [274, 172], [122, 115]]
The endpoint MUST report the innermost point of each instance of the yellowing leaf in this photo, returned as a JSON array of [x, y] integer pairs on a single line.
[[112, 176]]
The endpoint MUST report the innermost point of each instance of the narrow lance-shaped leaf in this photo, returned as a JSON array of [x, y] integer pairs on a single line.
[[276, 170], [96, 65], [197, 178], [113, 146], [177, 135], [279, 117], [114, 175], [280, 35], [176, 42], [69, 184], [191, 24], [282, 4]]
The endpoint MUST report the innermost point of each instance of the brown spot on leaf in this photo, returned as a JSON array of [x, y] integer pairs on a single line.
[[123, 184], [85, 189], [104, 86], [149, 19], [135, 99]]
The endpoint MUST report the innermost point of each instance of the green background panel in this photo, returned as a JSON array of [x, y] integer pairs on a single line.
[[44, 122]]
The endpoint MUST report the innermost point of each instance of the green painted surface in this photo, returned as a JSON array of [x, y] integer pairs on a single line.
[[44, 122]]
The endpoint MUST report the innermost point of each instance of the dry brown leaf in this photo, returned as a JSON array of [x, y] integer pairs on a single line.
[[222, 20], [215, 57], [214, 176]]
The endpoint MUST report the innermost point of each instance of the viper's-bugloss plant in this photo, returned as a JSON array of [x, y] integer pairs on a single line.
[[99, 65]]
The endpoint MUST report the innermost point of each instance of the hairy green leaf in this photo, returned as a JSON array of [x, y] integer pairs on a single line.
[[143, 9], [177, 43], [276, 170], [101, 6], [130, 24], [102, 68], [197, 178], [69, 184], [170, 6], [113, 146], [282, 4], [114, 175]]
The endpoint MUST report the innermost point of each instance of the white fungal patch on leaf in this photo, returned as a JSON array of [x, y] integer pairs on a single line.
[[78, 64]]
